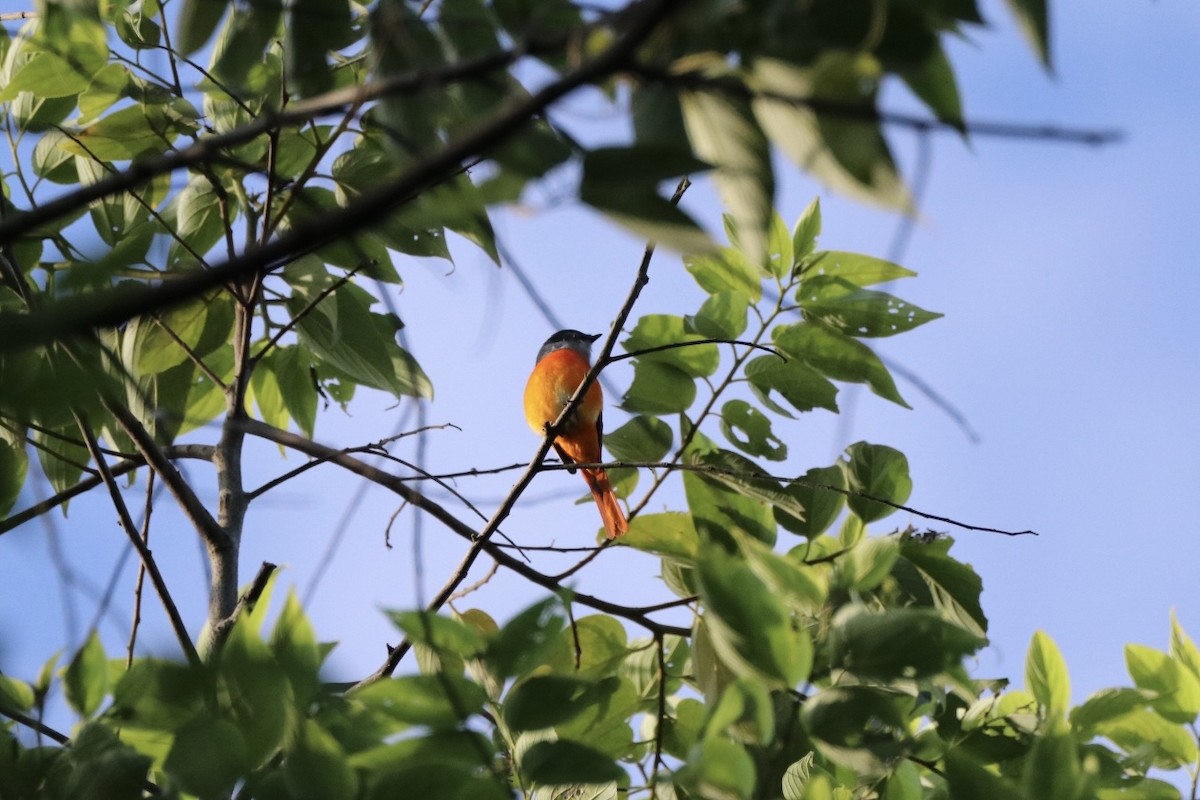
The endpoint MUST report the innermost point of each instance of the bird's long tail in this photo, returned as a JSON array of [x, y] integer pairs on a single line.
[[610, 510]]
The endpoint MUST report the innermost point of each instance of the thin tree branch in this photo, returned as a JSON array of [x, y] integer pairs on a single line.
[[495, 551], [36, 725], [201, 519], [127, 524], [141, 576]]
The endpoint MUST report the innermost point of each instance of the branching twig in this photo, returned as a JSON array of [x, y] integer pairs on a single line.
[[202, 452], [201, 519], [127, 524]]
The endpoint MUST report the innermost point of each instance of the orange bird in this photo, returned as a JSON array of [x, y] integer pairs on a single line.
[[562, 363]]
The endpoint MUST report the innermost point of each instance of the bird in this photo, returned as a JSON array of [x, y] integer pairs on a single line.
[[561, 365]]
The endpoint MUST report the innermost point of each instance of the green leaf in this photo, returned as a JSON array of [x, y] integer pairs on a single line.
[[799, 585], [969, 780], [722, 316], [106, 87], [543, 701], [821, 505], [658, 388], [867, 563], [316, 766], [1183, 649], [604, 721], [855, 268], [45, 75], [876, 471], [248, 31], [718, 768], [724, 132], [840, 304], [341, 330], [199, 225], [855, 717], [523, 19], [15, 694], [933, 81], [837, 356], [567, 762], [670, 534], [719, 512], [749, 430], [291, 368], [850, 156], [440, 700], [1033, 18], [439, 632], [1046, 675], [806, 231], [1052, 769], [294, 644], [526, 640], [656, 330], [161, 339], [642, 438], [259, 693], [86, 678], [101, 767], [603, 646], [898, 643], [950, 585], [725, 271], [127, 133], [745, 707], [744, 477], [464, 750], [315, 27], [207, 757], [266, 393], [1173, 688], [197, 21], [799, 384], [159, 695], [780, 256], [1104, 706], [1154, 740], [751, 629], [62, 455]]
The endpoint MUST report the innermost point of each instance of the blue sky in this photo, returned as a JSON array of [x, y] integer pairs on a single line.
[[1068, 279]]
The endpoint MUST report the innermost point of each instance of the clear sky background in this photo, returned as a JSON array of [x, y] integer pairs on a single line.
[[1069, 282]]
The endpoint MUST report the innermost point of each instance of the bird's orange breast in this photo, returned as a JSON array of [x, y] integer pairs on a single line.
[[554, 380]]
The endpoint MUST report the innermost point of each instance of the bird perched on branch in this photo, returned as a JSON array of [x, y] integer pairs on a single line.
[[562, 363]]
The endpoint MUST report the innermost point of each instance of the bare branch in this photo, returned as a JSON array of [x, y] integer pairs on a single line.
[[127, 524]]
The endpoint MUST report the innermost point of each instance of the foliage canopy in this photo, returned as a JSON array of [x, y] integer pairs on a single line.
[[205, 213]]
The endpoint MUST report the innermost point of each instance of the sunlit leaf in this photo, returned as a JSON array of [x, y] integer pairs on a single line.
[[1046, 674], [1173, 688], [749, 430], [725, 133]]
